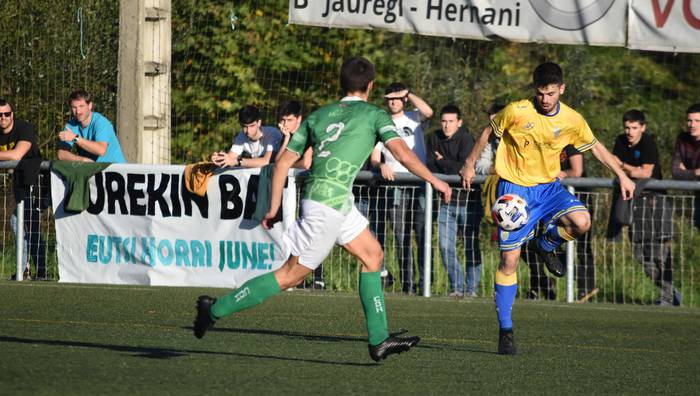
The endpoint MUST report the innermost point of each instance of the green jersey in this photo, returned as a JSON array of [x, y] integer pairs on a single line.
[[342, 135]]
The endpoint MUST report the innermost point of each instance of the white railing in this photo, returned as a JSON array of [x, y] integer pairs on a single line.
[[619, 277]]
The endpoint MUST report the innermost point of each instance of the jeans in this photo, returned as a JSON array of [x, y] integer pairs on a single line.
[[407, 213], [460, 220]]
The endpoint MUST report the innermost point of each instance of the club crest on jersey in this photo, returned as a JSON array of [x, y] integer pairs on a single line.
[[556, 132], [529, 125]]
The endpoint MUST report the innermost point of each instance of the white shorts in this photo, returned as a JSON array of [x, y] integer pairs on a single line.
[[319, 227]]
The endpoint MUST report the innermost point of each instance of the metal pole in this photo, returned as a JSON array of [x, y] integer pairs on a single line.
[[570, 264], [20, 240], [428, 240]]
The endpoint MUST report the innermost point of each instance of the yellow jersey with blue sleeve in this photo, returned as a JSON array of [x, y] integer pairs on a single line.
[[531, 142]]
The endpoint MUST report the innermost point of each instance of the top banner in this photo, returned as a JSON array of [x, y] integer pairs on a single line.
[[660, 25], [665, 25], [592, 22]]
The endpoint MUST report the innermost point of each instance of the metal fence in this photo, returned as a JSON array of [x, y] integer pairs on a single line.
[[417, 234]]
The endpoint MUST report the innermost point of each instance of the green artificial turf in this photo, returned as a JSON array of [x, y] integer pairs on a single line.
[[92, 339]]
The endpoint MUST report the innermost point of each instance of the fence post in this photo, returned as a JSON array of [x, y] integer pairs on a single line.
[[19, 240], [570, 251], [428, 240]]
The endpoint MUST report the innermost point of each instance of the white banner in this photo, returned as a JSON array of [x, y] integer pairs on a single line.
[[665, 25], [142, 227], [592, 22]]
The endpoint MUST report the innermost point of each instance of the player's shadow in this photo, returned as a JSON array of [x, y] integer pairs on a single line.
[[328, 338], [169, 353], [288, 334]]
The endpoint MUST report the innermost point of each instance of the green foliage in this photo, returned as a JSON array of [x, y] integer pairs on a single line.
[[41, 62]]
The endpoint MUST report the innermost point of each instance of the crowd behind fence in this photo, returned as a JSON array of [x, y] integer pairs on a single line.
[[413, 265]]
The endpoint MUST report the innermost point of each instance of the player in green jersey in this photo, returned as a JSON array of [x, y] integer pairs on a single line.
[[342, 135]]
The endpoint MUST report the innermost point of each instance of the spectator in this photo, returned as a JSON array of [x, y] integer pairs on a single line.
[[651, 229], [18, 142], [484, 166], [447, 150], [371, 201], [254, 146], [686, 156], [289, 117], [405, 205], [90, 132]]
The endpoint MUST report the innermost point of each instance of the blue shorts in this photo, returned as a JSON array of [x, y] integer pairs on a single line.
[[546, 204]]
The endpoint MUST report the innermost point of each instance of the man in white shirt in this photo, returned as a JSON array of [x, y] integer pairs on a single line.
[[403, 206], [254, 146]]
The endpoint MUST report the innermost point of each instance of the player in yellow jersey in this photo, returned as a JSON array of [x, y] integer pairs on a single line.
[[533, 134]]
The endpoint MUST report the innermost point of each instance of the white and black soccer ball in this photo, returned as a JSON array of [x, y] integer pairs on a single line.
[[510, 212]]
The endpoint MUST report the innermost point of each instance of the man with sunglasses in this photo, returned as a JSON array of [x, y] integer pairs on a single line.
[[18, 142]]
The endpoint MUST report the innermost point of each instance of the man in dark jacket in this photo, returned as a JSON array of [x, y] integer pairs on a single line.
[[447, 149], [18, 142]]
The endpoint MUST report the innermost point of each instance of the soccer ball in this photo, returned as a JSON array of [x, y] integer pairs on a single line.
[[510, 212]]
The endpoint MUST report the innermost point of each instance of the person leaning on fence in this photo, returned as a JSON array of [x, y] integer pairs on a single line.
[[405, 206], [18, 142], [447, 150], [651, 228], [254, 146], [533, 133], [484, 166], [686, 155], [342, 135], [89, 132], [289, 119]]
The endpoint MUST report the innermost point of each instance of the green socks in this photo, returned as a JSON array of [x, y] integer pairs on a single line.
[[372, 298], [248, 295], [263, 287]]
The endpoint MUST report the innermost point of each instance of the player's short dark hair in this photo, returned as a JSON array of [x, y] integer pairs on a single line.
[[451, 109], [291, 107], [547, 73], [355, 74], [79, 94], [248, 115], [495, 108], [634, 115], [395, 87], [694, 108], [4, 102]]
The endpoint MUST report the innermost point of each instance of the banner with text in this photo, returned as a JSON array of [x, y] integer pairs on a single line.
[[143, 227], [592, 22], [665, 25]]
